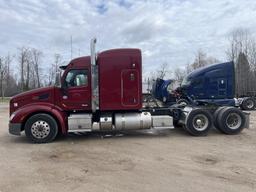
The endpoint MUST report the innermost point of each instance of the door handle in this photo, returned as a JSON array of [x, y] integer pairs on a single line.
[[84, 105], [65, 97]]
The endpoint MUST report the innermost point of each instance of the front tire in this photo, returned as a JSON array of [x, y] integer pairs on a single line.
[[41, 128]]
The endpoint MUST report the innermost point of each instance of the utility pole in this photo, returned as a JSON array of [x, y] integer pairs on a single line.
[[71, 48]]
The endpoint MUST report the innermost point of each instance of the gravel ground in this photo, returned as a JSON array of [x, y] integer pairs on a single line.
[[166, 160]]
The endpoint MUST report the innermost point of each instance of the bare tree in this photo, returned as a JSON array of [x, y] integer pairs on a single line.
[[201, 60], [2, 76], [188, 68], [23, 57], [9, 84], [27, 70], [242, 50], [163, 71], [179, 75], [239, 42], [36, 59], [8, 61], [54, 69]]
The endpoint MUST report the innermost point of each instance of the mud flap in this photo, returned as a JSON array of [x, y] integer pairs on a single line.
[[247, 120]]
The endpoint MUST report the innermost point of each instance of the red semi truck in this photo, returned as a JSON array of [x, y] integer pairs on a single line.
[[103, 92]]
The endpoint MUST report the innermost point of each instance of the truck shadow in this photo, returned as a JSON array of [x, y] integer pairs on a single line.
[[140, 134]]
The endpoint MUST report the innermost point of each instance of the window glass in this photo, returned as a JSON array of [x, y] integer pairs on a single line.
[[77, 78], [186, 82]]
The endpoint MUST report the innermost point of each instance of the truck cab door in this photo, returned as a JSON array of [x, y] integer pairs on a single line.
[[77, 92], [222, 87], [130, 87], [197, 88]]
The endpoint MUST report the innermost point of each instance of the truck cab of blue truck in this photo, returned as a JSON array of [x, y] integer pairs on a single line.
[[213, 84]]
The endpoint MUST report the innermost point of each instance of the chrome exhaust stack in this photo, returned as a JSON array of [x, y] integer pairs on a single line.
[[94, 76], [93, 51]]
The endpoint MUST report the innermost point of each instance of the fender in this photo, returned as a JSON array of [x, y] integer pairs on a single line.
[[22, 114]]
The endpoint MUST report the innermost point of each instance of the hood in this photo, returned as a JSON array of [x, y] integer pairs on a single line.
[[159, 88], [32, 93], [203, 70], [45, 94]]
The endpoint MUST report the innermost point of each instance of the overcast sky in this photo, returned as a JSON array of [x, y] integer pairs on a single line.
[[165, 30]]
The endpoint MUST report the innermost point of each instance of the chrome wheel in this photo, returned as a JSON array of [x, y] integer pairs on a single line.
[[249, 104], [200, 122], [183, 103], [40, 129], [234, 121]]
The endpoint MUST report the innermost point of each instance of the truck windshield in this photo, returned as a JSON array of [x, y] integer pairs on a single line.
[[76, 78], [186, 82], [172, 86]]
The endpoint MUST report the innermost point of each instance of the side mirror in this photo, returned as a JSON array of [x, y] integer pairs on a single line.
[[64, 88]]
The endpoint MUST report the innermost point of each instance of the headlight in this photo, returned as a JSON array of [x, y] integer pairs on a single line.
[[12, 116]]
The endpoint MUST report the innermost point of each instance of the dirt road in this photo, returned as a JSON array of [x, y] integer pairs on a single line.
[[167, 160]]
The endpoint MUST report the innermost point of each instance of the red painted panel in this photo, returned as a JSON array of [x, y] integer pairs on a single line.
[[111, 65], [76, 98], [130, 88], [26, 111]]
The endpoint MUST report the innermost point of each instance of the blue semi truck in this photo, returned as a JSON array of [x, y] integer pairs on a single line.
[[213, 84]]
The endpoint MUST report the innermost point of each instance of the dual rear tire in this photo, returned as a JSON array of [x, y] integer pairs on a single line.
[[228, 120]]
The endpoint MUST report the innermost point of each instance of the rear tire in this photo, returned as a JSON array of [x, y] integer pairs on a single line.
[[41, 128], [248, 104], [231, 121], [198, 122], [215, 118]]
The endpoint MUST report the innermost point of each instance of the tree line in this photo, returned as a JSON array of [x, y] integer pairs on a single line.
[[25, 71], [241, 50]]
